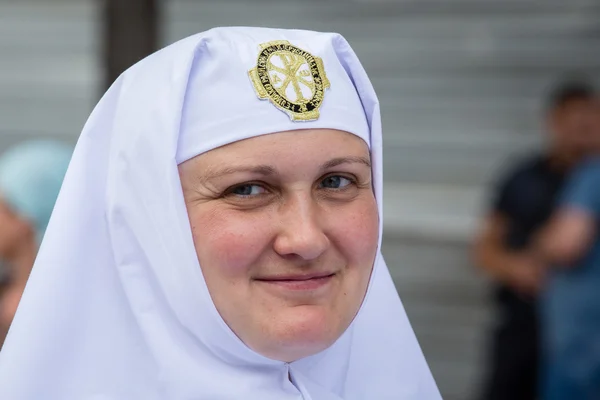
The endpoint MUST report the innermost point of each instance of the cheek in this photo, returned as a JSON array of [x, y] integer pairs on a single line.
[[364, 229], [358, 232], [228, 243]]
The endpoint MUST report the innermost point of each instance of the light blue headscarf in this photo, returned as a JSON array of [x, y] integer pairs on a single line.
[[31, 174]]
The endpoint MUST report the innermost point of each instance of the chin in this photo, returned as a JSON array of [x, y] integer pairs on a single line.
[[300, 332]]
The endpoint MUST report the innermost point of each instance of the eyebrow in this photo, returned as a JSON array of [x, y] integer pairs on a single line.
[[257, 169], [267, 170], [346, 160]]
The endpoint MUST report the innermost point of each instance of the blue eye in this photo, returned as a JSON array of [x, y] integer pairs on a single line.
[[248, 190], [335, 182]]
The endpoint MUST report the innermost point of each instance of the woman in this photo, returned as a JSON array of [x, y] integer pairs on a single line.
[[218, 235], [31, 174]]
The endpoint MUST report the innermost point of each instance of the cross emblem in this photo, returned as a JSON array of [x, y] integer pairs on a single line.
[[292, 75], [292, 79]]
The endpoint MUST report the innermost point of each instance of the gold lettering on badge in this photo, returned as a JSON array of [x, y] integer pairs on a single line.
[[292, 79]]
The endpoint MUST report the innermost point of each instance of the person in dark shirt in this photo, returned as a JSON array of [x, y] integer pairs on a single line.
[[524, 201]]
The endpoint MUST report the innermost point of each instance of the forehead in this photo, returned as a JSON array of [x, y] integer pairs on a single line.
[[291, 146]]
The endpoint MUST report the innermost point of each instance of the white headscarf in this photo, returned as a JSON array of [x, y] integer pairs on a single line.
[[117, 307]]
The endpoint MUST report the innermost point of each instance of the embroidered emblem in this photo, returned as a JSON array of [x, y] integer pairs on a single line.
[[292, 79]]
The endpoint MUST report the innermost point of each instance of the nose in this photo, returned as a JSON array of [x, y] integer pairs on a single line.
[[301, 234]]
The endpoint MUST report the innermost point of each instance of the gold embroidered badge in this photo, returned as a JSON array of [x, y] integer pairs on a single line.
[[292, 79]]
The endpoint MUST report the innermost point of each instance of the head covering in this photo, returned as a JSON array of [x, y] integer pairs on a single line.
[[31, 174], [117, 307]]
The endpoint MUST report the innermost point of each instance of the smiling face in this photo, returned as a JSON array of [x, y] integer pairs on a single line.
[[286, 230]]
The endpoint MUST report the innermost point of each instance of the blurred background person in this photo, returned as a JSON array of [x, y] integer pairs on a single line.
[[570, 304], [523, 202], [31, 174]]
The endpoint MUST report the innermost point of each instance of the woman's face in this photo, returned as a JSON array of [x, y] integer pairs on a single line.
[[286, 230]]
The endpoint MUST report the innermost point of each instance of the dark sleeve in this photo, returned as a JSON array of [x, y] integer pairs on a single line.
[[504, 194]]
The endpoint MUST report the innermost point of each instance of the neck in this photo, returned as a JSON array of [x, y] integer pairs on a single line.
[[562, 160]]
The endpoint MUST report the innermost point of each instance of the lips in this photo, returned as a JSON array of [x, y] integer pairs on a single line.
[[299, 282], [296, 277]]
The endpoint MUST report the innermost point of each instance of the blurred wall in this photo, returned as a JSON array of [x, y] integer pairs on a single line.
[[460, 83], [49, 72]]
